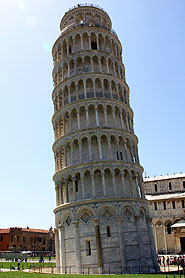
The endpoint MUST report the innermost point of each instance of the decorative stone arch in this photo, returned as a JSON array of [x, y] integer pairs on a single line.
[[127, 212], [85, 214], [107, 213]]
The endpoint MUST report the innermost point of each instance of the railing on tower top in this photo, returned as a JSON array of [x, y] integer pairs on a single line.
[[88, 5], [82, 25]]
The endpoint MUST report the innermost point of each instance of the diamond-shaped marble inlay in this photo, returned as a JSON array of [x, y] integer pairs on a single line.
[[127, 214], [68, 220], [86, 217], [107, 215]]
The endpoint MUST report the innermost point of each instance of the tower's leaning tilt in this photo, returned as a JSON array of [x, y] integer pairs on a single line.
[[102, 220]]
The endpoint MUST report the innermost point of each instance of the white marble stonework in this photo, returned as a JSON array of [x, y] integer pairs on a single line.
[[102, 221]]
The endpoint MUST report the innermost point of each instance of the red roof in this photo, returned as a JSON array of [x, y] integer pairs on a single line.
[[35, 230], [5, 231]]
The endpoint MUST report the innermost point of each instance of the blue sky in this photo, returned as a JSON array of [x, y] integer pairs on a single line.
[[152, 34]]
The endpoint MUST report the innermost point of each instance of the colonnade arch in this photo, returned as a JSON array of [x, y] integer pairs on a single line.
[[86, 41], [88, 64], [92, 116], [93, 181], [85, 148], [89, 87]]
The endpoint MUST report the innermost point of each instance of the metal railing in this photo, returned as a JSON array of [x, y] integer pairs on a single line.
[[82, 25], [88, 5]]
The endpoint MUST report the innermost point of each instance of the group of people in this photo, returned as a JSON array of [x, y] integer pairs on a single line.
[[172, 260]]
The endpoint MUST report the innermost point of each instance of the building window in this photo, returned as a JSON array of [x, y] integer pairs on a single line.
[[117, 154], [155, 206], [7, 246], [182, 203], [35, 239], [24, 239], [11, 238], [76, 185], [173, 204], [88, 248], [39, 239], [17, 238], [31, 239], [1, 238], [155, 187], [169, 230], [164, 205], [70, 50], [170, 186], [94, 45], [184, 184], [44, 240], [108, 231]]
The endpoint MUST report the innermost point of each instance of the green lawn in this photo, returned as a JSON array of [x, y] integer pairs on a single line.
[[37, 258], [17, 274], [24, 265]]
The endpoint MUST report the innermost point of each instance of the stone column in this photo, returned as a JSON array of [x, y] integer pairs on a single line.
[[62, 248], [77, 248], [90, 150], [92, 68], [110, 152], [105, 113], [57, 251], [99, 148], [94, 87], [60, 162], [110, 87], [61, 194], [93, 187], [67, 47], [103, 183], [80, 151], [89, 42], [81, 39], [96, 114], [98, 244], [121, 118], [114, 117], [87, 117], [71, 153], [66, 192], [121, 243], [123, 184], [68, 70], [98, 48], [125, 148], [114, 183], [107, 64], [85, 90], [78, 119], [102, 87], [140, 240], [83, 187], [164, 234], [127, 126]]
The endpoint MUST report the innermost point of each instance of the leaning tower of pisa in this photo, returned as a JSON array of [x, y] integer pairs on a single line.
[[102, 221]]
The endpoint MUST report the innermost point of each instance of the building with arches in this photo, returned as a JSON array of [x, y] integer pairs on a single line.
[[102, 217], [166, 196]]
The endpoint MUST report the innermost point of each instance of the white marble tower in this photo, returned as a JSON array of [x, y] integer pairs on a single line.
[[102, 221]]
